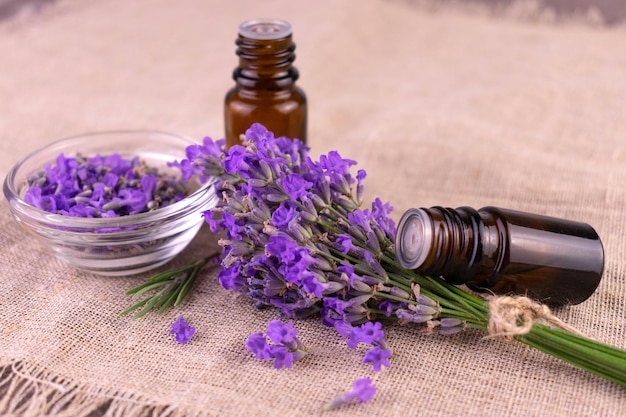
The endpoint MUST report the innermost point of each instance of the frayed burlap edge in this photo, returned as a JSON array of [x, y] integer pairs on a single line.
[[28, 390]]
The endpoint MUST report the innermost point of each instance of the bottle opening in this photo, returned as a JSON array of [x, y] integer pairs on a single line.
[[413, 239], [265, 29]]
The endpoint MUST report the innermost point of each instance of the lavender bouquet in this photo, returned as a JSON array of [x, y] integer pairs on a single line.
[[297, 238]]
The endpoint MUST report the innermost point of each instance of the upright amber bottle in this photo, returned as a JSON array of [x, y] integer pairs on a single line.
[[503, 251], [265, 91]]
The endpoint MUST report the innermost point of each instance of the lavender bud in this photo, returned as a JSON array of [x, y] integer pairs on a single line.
[[360, 299], [399, 292], [79, 199], [308, 206], [113, 205], [235, 203], [372, 241], [211, 172], [305, 215], [299, 232], [423, 300], [346, 203], [326, 193], [339, 183], [237, 247], [447, 331], [416, 290], [87, 193], [354, 318], [358, 309], [323, 264], [359, 193], [358, 253], [318, 202], [375, 265], [255, 182], [408, 317], [360, 286], [276, 198], [423, 310], [259, 215], [451, 322], [370, 280], [332, 287], [265, 169], [356, 232], [298, 354]]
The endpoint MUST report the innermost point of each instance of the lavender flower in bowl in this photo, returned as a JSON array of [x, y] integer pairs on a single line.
[[109, 203]]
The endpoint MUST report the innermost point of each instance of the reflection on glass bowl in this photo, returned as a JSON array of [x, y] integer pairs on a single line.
[[120, 245]]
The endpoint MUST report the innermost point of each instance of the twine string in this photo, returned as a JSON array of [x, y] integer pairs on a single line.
[[514, 316]]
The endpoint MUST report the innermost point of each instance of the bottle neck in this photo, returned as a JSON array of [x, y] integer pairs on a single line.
[[265, 63], [440, 241]]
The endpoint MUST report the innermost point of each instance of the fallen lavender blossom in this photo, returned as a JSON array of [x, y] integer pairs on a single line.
[[297, 238]]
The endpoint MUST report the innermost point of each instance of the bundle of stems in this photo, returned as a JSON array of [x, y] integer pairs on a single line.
[[298, 239]]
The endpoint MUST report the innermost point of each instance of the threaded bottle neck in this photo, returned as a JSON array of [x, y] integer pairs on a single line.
[[266, 54], [440, 241]]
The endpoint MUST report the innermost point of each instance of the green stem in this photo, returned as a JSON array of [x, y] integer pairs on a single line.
[[595, 357]]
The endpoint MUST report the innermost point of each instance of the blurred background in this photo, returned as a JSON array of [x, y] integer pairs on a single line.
[[608, 12]]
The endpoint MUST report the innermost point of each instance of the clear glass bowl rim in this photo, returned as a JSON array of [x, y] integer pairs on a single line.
[[53, 219]]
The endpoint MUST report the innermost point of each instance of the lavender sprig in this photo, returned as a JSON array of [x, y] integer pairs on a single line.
[[362, 391], [297, 238], [168, 288], [285, 349]]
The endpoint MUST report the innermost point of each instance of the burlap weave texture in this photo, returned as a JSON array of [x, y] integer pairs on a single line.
[[441, 108]]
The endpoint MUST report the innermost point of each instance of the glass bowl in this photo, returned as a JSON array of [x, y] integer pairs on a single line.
[[121, 245]]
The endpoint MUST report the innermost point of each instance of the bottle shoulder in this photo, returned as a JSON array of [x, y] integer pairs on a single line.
[[252, 95]]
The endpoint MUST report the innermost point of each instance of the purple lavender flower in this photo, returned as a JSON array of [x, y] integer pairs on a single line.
[[344, 243], [282, 248], [235, 162], [312, 285], [101, 186], [181, 330], [284, 214], [377, 357], [229, 277], [295, 186], [334, 163], [286, 347], [282, 356], [257, 344], [369, 333], [363, 390], [282, 333], [299, 240]]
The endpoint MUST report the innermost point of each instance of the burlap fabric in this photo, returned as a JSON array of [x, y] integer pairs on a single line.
[[440, 106]]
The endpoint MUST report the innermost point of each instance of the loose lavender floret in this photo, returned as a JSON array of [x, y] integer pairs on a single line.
[[101, 186], [286, 347], [181, 330], [362, 390], [378, 358]]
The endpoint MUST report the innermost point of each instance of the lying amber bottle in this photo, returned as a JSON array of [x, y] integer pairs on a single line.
[[265, 91], [552, 260]]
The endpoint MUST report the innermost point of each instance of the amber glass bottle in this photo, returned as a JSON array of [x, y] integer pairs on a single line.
[[503, 251], [265, 89]]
